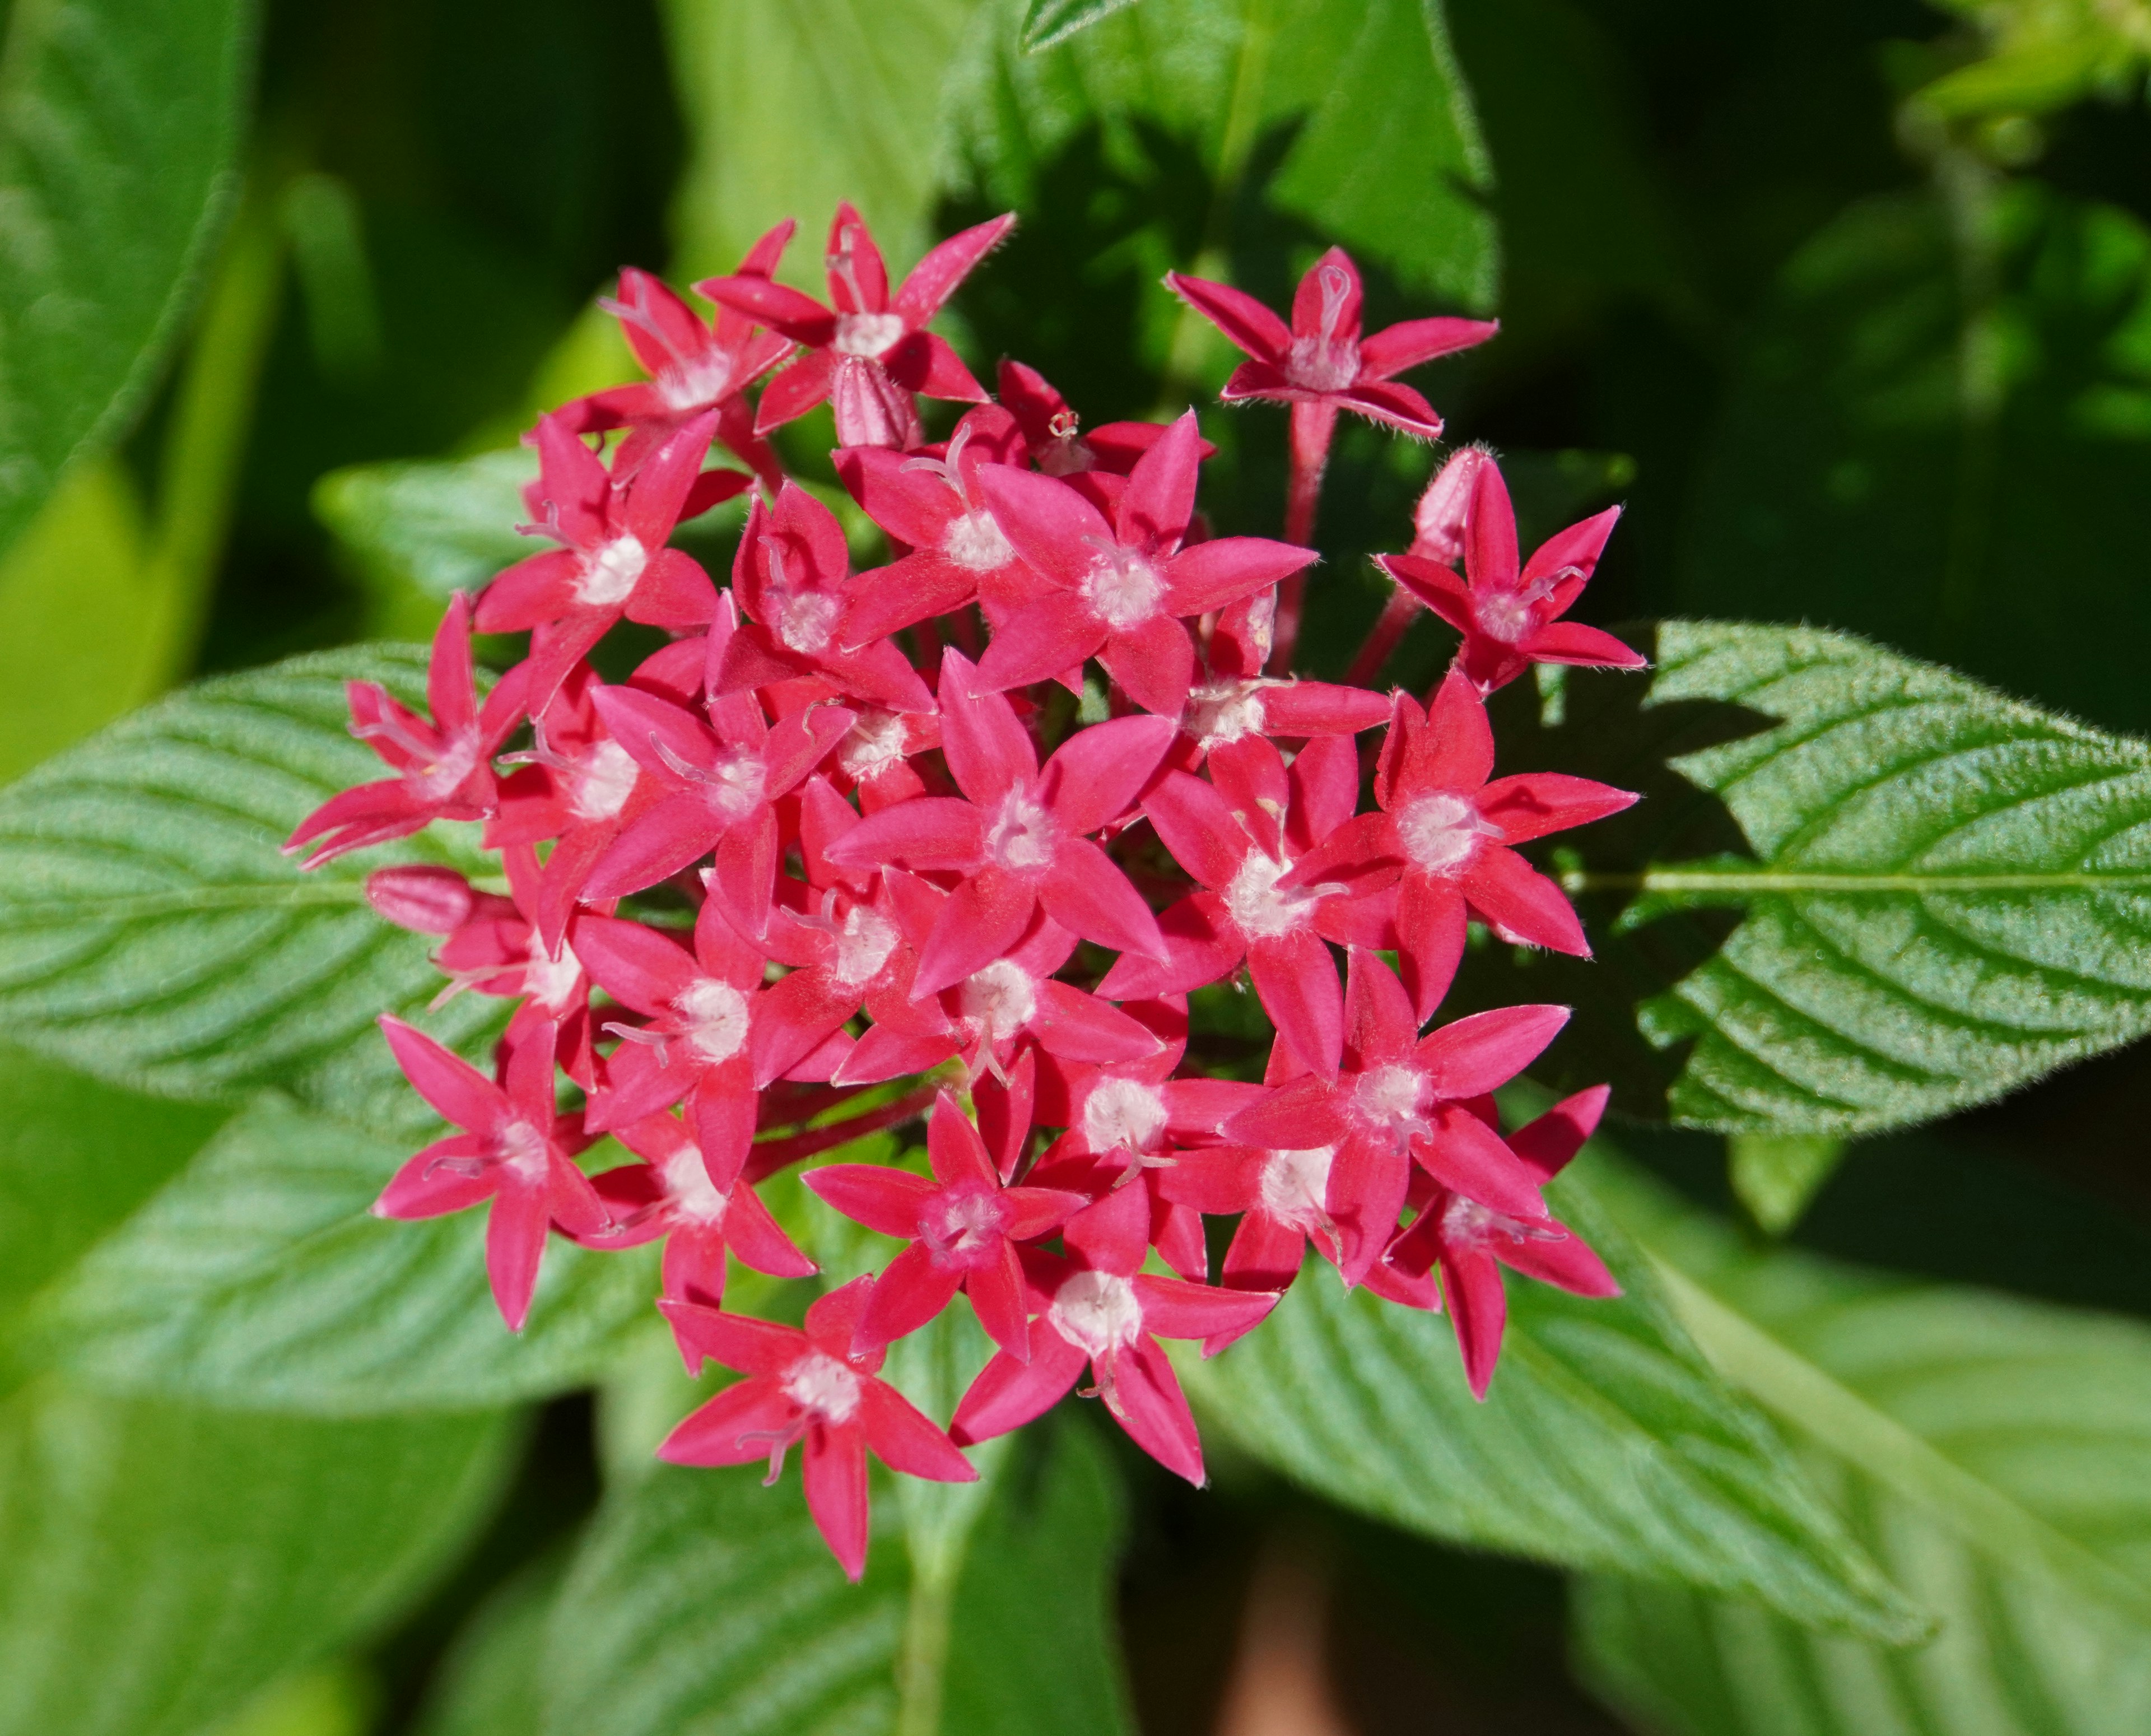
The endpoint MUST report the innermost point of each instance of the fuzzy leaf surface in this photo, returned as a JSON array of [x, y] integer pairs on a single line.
[[120, 123], [152, 933], [165, 1562], [1607, 1440], [1994, 1454], [257, 1277]]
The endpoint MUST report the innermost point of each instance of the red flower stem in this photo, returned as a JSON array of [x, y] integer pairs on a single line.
[[1381, 638], [772, 1155], [1312, 426]]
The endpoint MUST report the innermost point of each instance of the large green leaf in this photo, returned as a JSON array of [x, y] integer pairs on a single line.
[[1936, 434], [118, 123], [1861, 891], [1994, 1454], [151, 932], [420, 531], [1606, 1441], [1380, 148], [164, 1562], [795, 104], [258, 1277], [704, 1603]]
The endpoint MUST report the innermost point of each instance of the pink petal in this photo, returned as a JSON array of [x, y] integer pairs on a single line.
[[1472, 1056], [759, 1240], [1112, 1235], [1522, 903], [1368, 1182], [1243, 320], [989, 751], [722, 1112], [660, 489], [1325, 788], [635, 964], [734, 1428], [1081, 1027], [1212, 574], [1085, 891], [1297, 1117], [1548, 1143], [1159, 501], [908, 1294], [422, 1188], [1008, 1393], [1039, 1212], [1490, 535], [1572, 642], [982, 919], [1535, 803], [913, 506], [796, 390], [1410, 342], [1265, 1254], [891, 598], [799, 317], [1333, 280], [997, 1299], [1004, 1112], [1321, 708], [835, 1476], [1221, 1180], [1433, 584], [1430, 936], [928, 831], [884, 1053], [1573, 552], [1201, 945], [673, 592], [1468, 1157], [1154, 664], [923, 363], [515, 1232], [1098, 771], [1174, 1309], [455, 1088], [935, 278], [1145, 1397], [1039, 642], [1456, 751], [1048, 522], [1297, 979], [954, 1149], [1393, 405], [1471, 1287], [792, 1016], [736, 1341], [1380, 1023]]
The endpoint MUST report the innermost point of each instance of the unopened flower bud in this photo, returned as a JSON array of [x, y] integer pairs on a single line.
[[1438, 521], [425, 900]]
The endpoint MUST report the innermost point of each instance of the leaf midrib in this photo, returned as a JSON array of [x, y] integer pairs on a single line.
[[1839, 881]]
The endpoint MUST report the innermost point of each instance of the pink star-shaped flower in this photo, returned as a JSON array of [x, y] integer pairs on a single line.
[[810, 1388], [867, 350], [789, 578], [1399, 1097], [443, 766], [1054, 435], [1471, 1242], [1117, 591], [515, 1150], [1451, 835], [963, 1226], [613, 561], [1321, 358], [673, 1193], [1097, 1306], [1020, 837], [693, 365], [1509, 618]]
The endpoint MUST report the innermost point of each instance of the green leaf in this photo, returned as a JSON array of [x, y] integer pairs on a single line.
[[1380, 147], [1994, 1454], [1775, 1175], [1955, 402], [492, 1681], [165, 1563], [152, 933], [1862, 891], [795, 104], [76, 1157], [258, 1277], [1606, 1441], [420, 531], [119, 120], [704, 1600], [1048, 22]]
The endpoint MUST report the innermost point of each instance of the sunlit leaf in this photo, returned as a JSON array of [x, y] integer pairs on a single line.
[[1607, 1440], [119, 120], [164, 1563], [1048, 22], [257, 1277], [151, 932]]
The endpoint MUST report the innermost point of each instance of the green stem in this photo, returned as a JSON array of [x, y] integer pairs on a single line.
[[1712, 880]]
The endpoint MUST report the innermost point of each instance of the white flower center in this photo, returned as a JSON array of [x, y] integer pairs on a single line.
[[1295, 1186], [713, 1016], [1098, 1311], [876, 740], [1221, 712], [1021, 836], [611, 573], [1505, 615], [975, 543], [1254, 903], [959, 1224], [523, 1150], [1440, 831], [733, 787], [1123, 1112], [817, 1383], [869, 334], [805, 618], [1003, 999], [1395, 1099], [688, 1185], [1322, 364], [1466, 1223], [1122, 588], [695, 382], [551, 981], [440, 776], [603, 779], [864, 945]]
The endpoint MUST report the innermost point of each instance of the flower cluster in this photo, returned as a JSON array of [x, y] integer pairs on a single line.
[[845, 834]]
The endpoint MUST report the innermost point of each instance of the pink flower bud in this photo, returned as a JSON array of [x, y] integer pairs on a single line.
[[425, 900], [1439, 520]]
